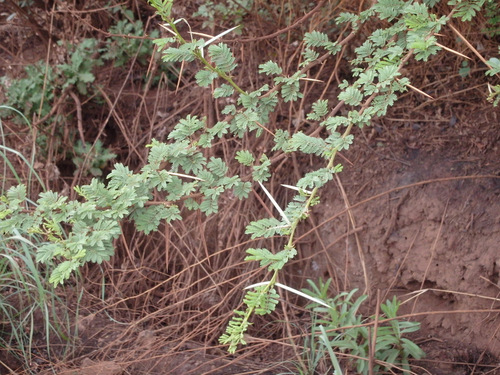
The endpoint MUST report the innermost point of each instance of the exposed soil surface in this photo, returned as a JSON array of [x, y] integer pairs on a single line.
[[428, 224]]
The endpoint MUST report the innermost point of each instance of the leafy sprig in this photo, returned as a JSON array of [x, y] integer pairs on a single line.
[[83, 230], [377, 80]]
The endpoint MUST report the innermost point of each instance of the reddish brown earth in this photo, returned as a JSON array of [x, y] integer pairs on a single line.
[[428, 224]]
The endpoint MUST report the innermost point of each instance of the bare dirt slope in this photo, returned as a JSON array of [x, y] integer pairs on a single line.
[[427, 218]]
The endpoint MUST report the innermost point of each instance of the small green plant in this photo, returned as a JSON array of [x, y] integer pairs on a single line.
[[494, 69], [27, 300], [78, 71], [492, 13], [33, 94], [44, 85], [121, 49], [464, 70], [90, 159], [342, 329], [227, 10]]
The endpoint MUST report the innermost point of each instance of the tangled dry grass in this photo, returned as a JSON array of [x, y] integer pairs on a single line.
[[163, 300]]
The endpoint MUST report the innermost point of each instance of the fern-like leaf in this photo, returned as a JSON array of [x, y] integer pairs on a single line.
[[204, 78], [290, 91], [315, 179], [243, 122], [274, 262], [185, 52], [16, 196], [219, 129], [351, 96], [262, 300], [319, 109], [265, 228], [245, 157], [222, 57], [63, 271], [261, 172], [186, 127], [235, 331], [147, 219], [217, 167], [270, 68], [242, 189], [316, 39], [389, 9], [308, 144], [223, 91], [209, 206]]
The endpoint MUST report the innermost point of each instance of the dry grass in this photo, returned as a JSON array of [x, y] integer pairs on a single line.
[[164, 299]]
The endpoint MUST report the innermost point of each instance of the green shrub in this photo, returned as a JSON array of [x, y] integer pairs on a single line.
[[33, 94], [45, 86], [341, 328], [122, 49], [90, 159]]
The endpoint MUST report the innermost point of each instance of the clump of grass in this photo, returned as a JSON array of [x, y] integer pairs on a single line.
[[30, 308], [31, 312]]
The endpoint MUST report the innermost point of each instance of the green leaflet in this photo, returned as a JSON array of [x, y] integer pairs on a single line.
[[222, 57], [319, 109], [261, 172], [147, 219], [270, 68], [264, 228], [204, 78], [223, 91], [186, 127], [308, 144], [245, 157], [274, 262], [242, 189], [316, 179]]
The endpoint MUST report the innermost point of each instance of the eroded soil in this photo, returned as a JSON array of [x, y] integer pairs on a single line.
[[428, 224]]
